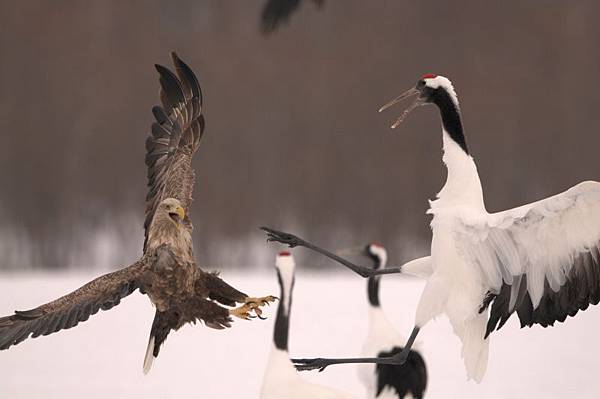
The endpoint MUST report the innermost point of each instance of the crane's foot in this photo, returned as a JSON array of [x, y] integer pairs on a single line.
[[311, 364], [282, 237], [321, 363]]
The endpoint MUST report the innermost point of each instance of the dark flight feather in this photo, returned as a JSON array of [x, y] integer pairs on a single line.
[[409, 378], [218, 290], [581, 288]]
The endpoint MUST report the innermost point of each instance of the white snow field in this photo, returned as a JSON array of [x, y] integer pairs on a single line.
[[102, 358]]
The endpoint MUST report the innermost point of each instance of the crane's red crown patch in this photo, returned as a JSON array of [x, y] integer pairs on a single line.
[[428, 76], [284, 253]]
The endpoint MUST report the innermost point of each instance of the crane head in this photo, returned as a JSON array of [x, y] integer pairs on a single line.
[[374, 251], [426, 90], [377, 253]]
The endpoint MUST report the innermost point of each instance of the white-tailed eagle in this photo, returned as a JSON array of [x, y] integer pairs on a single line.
[[167, 272]]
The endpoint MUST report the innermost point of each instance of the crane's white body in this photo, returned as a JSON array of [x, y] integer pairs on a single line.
[[474, 252], [452, 287], [281, 381], [381, 337]]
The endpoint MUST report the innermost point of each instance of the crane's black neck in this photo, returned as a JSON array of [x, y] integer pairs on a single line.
[[450, 114], [373, 283], [282, 322]]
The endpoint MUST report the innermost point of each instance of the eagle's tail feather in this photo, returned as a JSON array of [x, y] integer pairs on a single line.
[[158, 334], [149, 358]]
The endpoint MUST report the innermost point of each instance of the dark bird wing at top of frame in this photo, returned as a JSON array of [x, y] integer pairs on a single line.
[[276, 12]]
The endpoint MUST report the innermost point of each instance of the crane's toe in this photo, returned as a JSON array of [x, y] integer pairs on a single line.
[[281, 237], [310, 364]]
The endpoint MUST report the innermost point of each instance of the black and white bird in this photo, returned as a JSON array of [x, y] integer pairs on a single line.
[[384, 381], [281, 379], [540, 260]]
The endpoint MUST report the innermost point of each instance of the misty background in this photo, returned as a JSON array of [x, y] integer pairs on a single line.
[[293, 138]]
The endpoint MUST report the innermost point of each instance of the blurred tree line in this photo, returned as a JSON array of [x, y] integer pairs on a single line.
[[294, 140]]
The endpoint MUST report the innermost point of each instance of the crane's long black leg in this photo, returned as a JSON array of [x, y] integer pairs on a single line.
[[322, 363], [294, 241], [409, 344]]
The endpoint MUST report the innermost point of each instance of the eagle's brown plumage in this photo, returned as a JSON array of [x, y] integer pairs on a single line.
[[167, 272], [174, 139]]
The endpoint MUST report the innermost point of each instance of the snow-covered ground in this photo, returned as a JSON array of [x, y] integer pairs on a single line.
[[102, 358]]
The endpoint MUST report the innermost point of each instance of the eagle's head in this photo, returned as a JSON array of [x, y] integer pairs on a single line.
[[167, 227], [170, 208]]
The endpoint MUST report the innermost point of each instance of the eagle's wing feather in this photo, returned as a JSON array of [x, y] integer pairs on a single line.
[[67, 311], [218, 290], [174, 139], [541, 260]]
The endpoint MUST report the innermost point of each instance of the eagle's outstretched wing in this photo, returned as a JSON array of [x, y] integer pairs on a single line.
[[173, 140], [66, 312]]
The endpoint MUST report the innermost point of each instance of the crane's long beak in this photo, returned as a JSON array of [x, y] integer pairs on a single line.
[[406, 94]]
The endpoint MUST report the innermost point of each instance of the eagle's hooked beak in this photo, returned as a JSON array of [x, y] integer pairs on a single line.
[[406, 94], [181, 212], [178, 215]]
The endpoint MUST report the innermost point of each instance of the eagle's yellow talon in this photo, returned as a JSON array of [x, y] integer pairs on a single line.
[[242, 312], [254, 304]]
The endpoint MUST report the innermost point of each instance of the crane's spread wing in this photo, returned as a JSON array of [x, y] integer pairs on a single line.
[[174, 139], [66, 312], [276, 12], [541, 260]]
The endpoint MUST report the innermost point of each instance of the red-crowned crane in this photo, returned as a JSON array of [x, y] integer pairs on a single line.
[[281, 379], [385, 381], [539, 260]]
